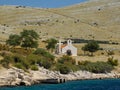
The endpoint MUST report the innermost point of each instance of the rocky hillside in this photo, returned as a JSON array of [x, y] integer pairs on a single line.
[[95, 18]]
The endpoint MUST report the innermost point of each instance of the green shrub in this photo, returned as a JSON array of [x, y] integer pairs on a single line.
[[15, 60], [49, 56], [66, 58], [20, 66], [34, 67], [6, 61], [40, 51], [73, 62], [44, 53], [44, 59], [26, 64], [45, 63], [112, 61], [64, 69], [32, 59], [4, 64], [97, 67], [21, 51], [83, 62], [21, 61]]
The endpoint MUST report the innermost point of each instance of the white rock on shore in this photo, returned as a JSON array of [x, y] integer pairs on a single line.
[[14, 76]]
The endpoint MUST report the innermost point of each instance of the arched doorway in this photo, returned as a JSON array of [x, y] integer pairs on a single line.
[[68, 52]]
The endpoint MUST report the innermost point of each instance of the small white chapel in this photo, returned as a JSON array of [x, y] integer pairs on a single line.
[[65, 48]]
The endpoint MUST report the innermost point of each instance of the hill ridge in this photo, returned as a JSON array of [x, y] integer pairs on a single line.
[[99, 19]]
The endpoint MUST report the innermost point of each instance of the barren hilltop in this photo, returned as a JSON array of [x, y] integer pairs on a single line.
[[95, 18]]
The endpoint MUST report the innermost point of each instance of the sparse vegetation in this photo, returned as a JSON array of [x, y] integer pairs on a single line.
[[43, 53], [110, 52], [45, 63], [5, 62], [96, 67], [64, 64], [51, 44], [34, 67], [40, 57], [14, 40], [66, 59], [112, 61], [27, 39], [91, 46], [64, 69]]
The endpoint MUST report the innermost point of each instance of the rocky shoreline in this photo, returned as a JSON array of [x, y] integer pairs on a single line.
[[18, 77]]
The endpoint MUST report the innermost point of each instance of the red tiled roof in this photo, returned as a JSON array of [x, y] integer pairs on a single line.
[[62, 46]]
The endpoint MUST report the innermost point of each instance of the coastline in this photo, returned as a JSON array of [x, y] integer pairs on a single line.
[[17, 77]]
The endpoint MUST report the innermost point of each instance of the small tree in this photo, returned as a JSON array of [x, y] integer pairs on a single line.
[[84, 48], [29, 39], [51, 44], [14, 40], [91, 46]]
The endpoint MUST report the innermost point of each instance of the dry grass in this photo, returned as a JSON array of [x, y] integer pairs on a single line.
[[115, 48], [100, 55], [100, 19]]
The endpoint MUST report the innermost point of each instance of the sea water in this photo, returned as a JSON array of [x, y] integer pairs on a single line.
[[107, 84]]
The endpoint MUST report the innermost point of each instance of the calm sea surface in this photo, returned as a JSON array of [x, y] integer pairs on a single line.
[[108, 84]]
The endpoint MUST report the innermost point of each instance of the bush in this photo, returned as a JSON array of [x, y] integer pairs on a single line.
[[44, 53], [45, 63], [4, 64], [32, 59], [20, 66], [15, 60], [49, 56], [40, 51], [46, 59], [97, 67], [112, 61], [66, 58], [6, 61], [34, 67], [64, 69], [20, 62], [73, 62], [83, 62]]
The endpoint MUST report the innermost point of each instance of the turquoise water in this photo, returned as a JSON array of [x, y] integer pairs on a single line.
[[108, 84]]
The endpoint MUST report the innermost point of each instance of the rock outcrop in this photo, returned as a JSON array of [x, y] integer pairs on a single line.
[[15, 77]]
